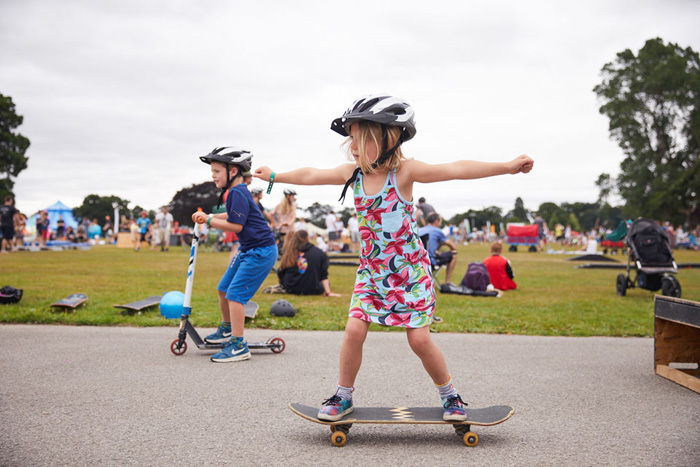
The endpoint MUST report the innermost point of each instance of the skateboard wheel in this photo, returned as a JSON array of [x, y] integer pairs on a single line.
[[470, 439], [279, 345], [338, 438], [177, 348]]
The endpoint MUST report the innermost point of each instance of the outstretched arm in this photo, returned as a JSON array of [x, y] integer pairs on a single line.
[[308, 175], [467, 170]]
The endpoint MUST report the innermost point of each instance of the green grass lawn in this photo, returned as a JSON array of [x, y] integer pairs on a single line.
[[553, 298]]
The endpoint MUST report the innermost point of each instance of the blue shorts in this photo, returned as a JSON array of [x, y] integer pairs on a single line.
[[246, 273]]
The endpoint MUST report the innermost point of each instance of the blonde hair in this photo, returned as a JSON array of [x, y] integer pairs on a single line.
[[286, 206], [372, 132]]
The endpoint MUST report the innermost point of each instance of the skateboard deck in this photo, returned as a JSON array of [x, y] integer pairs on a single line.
[[251, 310], [141, 304], [485, 416], [72, 301]]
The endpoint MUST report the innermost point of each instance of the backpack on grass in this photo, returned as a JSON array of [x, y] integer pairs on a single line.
[[9, 294], [477, 277]]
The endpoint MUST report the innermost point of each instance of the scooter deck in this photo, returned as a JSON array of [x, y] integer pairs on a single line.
[[179, 345]]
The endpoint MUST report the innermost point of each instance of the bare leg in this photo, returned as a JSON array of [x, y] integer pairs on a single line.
[[223, 305], [450, 268], [351, 351], [430, 354], [237, 315]]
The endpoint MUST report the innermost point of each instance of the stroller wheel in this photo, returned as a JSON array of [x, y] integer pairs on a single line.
[[670, 287], [621, 285]]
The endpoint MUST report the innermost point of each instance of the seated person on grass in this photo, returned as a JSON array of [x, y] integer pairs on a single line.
[[500, 272], [304, 267], [437, 238]]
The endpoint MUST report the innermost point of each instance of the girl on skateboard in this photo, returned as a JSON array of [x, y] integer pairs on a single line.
[[393, 285], [255, 258]]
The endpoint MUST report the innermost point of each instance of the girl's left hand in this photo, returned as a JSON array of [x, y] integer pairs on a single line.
[[522, 163], [332, 294]]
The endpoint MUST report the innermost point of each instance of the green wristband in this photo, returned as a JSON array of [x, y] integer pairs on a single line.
[[272, 182], [209, 221]]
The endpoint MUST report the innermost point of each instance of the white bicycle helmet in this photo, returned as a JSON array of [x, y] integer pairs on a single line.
[[229, 155], [387, 110]]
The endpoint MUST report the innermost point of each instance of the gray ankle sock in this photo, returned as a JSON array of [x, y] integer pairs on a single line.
[[447, 389], [344, 393]]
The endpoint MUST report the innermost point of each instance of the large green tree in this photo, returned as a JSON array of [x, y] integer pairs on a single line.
[[98, 207], [478, 219], [188, 200], [519, 213], [653, 102], [13, 146]]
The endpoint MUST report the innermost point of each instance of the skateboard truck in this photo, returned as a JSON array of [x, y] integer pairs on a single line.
[[179, 345]]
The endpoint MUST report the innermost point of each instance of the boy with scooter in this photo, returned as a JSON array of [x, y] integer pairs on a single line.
[[255, 258]]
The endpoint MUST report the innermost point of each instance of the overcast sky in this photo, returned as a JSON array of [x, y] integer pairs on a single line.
[[121, 97]]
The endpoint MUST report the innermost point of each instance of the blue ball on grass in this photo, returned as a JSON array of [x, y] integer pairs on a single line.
[[172, 304]]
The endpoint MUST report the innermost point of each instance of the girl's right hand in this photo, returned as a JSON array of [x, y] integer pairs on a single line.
[[263, 173]]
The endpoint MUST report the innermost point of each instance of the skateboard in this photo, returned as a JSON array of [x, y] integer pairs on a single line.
[[251, 310], [141, 304], [486, 416], [71, 301]]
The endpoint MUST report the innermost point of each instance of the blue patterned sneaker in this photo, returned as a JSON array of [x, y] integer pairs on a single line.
[[235, 351], [454, 409], [335, 408], [223, 334]]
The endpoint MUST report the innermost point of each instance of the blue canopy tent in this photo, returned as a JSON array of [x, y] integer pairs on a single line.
[[59, 209]]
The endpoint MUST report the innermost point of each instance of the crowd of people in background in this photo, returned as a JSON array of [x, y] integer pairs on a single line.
[[338, 237]]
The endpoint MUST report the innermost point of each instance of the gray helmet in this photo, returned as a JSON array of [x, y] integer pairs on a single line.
[[230, 155], [387, 110], [256, 190], [289, 191], [282, 308]]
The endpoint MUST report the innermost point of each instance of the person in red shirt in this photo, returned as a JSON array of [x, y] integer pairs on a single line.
[[500, 272]]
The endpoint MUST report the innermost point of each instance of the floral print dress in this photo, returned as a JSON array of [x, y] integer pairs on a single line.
[[393, 285]]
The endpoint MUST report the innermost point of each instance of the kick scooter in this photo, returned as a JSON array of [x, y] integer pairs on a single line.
[[179, 345]]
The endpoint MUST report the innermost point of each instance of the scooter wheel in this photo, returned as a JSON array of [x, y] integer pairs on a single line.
[[177, 348], [279, 345]]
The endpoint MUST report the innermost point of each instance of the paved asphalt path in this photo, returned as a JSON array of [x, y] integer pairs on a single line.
[[99, 396]]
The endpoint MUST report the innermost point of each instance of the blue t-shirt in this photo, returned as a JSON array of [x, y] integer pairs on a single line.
[[435, 237], [241, 209], [143, 222]]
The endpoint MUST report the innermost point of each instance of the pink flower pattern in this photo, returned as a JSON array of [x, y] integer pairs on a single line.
[[393, 285]]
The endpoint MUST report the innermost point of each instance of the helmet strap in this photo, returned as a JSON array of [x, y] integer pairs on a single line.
[[229, 182], [380, 160]]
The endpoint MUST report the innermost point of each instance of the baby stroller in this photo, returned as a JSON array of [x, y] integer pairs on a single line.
[[651, 257]]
